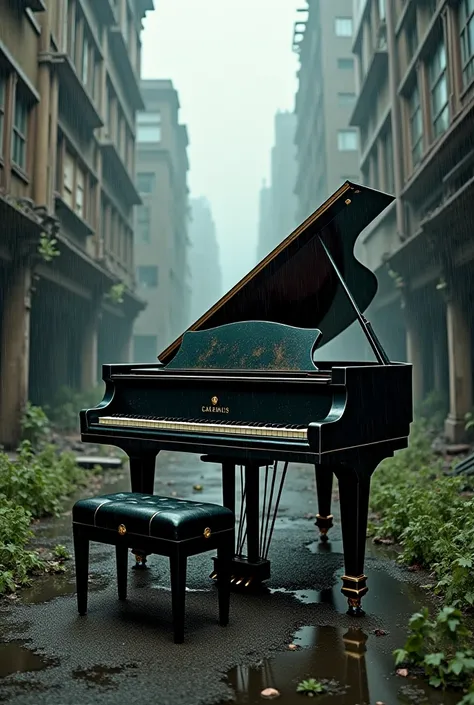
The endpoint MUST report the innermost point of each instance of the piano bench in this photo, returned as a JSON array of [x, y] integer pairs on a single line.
[[165, 526]]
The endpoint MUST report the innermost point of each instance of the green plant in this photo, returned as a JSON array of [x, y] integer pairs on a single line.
[[16, 563], [311, 687], [115, 293], [61, 552], [35, 426], [47, 247], [469, 419], [439, 647], [423, 510], [38, 482]]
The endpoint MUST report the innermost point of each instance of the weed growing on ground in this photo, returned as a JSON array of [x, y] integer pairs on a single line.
[[424, 511], [439, 647], [32, 486]]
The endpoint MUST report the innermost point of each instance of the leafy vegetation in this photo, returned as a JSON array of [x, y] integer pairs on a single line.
[[439, 647], [311, 687], [32, 486], [425, 511]]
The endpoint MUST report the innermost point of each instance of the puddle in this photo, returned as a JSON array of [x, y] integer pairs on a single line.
[[15, 657], [307, 597], [102, 675], [350, 659]]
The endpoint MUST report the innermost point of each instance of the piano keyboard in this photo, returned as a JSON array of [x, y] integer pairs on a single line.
[[228, 428]]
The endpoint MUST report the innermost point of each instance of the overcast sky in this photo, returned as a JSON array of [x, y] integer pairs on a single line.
[[232, 64]]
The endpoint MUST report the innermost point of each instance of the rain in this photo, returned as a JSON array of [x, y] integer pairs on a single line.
[[236, 352]]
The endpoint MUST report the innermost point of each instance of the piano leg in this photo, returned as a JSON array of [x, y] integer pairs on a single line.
[[142, 479], [324, 480], [228, 497], [354, 489]]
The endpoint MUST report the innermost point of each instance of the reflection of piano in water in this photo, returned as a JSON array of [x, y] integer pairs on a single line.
[[241, 387], [328, 654]]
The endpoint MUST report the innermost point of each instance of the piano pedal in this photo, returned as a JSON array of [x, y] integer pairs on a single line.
[[213, 575]]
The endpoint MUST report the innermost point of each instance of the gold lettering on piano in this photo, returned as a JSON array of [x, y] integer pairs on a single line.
[[215, 409]]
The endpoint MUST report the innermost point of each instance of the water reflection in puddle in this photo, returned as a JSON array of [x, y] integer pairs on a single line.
[[349, 657], [15, 657]]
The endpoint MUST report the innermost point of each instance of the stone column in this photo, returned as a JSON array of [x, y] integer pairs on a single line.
[[14, 354], [459, 360], [89, 347], [414, 342]]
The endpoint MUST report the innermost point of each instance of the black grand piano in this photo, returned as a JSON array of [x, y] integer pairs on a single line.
[[241, 388]]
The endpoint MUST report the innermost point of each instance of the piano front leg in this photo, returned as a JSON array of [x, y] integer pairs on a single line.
[[324, 518], [354, 489], [142, 479]]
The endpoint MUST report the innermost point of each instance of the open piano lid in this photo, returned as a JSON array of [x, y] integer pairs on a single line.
[[295, 284]]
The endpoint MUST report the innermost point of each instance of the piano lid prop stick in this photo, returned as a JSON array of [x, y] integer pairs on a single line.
[[375, 344]]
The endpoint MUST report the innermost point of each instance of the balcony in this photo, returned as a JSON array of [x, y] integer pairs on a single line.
[[75, 93], [364, 104], [121, 55], [71, 220], [118, 172]]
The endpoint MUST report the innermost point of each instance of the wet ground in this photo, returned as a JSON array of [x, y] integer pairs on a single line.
[[124, 653]]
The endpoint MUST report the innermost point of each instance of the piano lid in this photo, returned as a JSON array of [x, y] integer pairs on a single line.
[[295, 284]]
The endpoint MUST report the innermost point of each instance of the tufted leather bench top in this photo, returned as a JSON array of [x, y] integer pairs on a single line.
[[158, 517]]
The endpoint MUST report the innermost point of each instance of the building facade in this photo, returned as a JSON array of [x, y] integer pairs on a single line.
[[282, 209], [204, 259], [415, 113], [162, 241], [69, 91], [327, 146]]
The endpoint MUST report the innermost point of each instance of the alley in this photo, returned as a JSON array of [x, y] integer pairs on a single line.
[[124, 652]]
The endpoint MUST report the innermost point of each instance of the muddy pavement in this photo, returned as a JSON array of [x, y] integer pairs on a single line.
[[124, 653]]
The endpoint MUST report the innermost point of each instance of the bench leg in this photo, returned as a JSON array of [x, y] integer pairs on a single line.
[[178, 563], [121, 556], [81, 556], [225, 553]]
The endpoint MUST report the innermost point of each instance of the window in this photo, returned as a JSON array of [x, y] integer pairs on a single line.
[[148, 276], [375, 168], [346, 98], [466, 24], [68, 182], [85, 62], [388, 162], [145, 182], [416, 126], [145, 348], [412, 37], [347, 140], [149, 127], [80, 178], [143, 223], [439, 91], [343, 26], [382, 10], [20, 126], [345, 64], [3, 86]]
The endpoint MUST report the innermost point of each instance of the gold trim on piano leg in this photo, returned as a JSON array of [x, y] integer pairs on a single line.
[[354, 588], [309, 221]]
